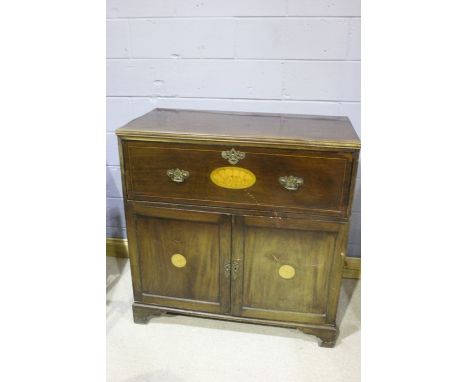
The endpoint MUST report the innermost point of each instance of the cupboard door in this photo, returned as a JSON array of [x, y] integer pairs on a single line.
[[179, 258], [287, 269]]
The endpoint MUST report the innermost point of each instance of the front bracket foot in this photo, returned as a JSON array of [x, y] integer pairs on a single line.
[[141, 315], [327, 336]]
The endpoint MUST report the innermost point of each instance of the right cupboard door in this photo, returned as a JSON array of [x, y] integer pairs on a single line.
[[286, 269]]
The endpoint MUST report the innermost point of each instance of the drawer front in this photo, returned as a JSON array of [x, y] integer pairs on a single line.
[[289, 180], [287, 269]]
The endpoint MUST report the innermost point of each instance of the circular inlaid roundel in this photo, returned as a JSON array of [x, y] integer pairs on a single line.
[[286, 272], [178, 260], [232, 177]]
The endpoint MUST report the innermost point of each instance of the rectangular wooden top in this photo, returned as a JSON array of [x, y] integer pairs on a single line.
[[213, 127]]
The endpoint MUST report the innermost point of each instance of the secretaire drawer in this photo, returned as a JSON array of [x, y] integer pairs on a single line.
[[243, 177]]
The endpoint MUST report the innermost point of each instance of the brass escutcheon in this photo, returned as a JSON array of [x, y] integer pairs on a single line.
[[227, 270], [235, 269], [233, 156]]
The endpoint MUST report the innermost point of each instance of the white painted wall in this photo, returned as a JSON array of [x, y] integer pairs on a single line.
[[291, 56]]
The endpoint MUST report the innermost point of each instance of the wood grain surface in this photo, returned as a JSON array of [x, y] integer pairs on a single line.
[[282, 129], [262, 254], [326, 177]]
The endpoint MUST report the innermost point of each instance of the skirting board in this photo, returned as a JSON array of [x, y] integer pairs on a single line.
[[116, 247], [352, 268], [119, 248]]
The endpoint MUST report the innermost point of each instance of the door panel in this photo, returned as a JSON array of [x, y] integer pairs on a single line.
[[285, 268], [181, 256]]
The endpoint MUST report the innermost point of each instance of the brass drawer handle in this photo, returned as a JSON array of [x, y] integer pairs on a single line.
[[291, 182], [233, 156], [177, 175]]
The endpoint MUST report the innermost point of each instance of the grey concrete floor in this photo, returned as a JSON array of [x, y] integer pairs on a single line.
[[188, 349]]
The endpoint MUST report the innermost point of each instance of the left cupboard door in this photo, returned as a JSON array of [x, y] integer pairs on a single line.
[[180, 258]]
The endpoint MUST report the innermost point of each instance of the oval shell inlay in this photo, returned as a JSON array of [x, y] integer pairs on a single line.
[[232, 177], [178, 260], [286, 272]]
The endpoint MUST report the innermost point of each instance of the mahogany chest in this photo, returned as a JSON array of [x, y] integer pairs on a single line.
[[239, 216]]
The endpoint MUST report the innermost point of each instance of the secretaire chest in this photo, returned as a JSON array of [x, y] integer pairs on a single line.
[[239, 216]]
